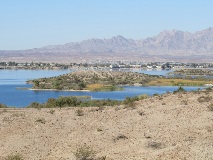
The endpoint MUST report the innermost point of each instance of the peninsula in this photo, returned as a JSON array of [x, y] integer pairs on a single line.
[[93, 80], [105, 80]]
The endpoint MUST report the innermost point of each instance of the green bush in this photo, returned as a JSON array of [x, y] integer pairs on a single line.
[[51, 102], [156, 94], [130, 102], [74, 102], [66, 101], [180, 90], [3, 106], [35, 105], [143, 96]]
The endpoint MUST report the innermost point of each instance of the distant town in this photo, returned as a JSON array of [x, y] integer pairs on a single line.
[[104, 65]]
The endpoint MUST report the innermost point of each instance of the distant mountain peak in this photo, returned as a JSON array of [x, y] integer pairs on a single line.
[[209, 29], [118, 37]]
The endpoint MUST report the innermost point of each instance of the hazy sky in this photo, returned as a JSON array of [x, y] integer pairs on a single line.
[[36, 23]]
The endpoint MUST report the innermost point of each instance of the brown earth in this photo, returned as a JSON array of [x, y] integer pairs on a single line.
[[171, 126]]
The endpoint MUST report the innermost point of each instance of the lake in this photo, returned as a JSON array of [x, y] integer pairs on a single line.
[[12, 93]]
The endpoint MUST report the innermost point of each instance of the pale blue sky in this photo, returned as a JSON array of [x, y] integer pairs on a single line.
[[36, 23]]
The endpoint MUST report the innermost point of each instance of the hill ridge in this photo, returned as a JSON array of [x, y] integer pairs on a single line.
[[168, 45]]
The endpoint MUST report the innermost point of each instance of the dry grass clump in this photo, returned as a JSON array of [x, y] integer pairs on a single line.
[[210, 107], [141, 113], [3, 106], [204, 99], [177, 82], [79, 112], [14, 157], [85, 153], [155, 145], [185, 102], [41, 120], [51, 111], [208, 90], [7, 119], [119, 137], [180, 90], [99, 129]]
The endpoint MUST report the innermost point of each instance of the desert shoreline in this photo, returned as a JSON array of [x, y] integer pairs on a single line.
[[168, 126]]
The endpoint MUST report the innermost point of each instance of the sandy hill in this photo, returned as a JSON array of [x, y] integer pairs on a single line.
[[171, 126]]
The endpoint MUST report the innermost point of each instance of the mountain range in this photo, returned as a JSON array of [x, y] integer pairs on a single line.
[[171, 45]]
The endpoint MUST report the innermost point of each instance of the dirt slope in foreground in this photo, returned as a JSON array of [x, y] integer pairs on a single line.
[[172, 126]]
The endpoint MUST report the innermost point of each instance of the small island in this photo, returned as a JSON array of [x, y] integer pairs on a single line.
[[92, 80]]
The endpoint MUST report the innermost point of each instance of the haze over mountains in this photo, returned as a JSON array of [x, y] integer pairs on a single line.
[[171, 45]]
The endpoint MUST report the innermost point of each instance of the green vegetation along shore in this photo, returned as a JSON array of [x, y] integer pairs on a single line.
[[86, 101], [193, 72], [71, 101], [186, 81], [82, 101]]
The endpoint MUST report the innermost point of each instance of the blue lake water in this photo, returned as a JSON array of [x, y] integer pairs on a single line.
[[12, 94], [14, 77]]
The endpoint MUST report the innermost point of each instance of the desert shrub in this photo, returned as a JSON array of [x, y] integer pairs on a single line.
[[141, 113], [154, 145], [209, 89], [156, 94], [119, 137], [143, 96], [51, 102], [179, 90], [101, 108], [51, 111], [66, 101], [79, 112], [160, 98], [185, 102], [99, 103], [99, 129], [204, 99], [210, 107], [129, 102], [14, 157], [101, 158], [85, 153], [41, 120], [35, 105], [3, 106], [81, 85]]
